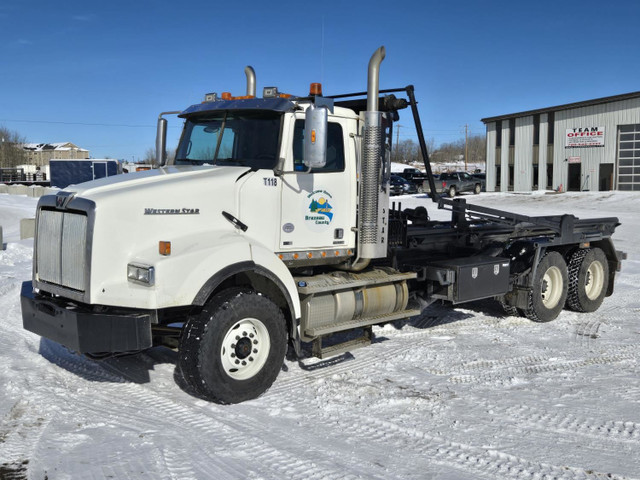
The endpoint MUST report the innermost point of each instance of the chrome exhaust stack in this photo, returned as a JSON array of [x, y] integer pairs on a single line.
[[251, 80], [374, 196]]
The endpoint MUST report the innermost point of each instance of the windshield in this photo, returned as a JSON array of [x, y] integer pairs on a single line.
[[236, 138]]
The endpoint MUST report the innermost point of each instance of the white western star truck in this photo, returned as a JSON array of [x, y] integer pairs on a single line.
[[272, 227]]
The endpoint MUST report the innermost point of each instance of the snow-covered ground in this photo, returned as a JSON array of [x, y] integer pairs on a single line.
[[457, 393]]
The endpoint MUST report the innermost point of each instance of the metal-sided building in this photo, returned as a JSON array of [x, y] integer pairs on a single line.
[[584, 146]]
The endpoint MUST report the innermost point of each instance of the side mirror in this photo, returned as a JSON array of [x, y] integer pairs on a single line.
[[315, 136], [161, 142]]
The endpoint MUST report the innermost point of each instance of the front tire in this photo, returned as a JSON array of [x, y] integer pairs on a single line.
[[232, 351], [549, 291], [477, 189], [588, 276], [452, 191]]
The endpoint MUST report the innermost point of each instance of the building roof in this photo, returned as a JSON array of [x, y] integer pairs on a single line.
[[59, 146], [568, 106]]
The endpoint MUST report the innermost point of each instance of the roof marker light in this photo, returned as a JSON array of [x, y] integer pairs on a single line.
[[315, 89]]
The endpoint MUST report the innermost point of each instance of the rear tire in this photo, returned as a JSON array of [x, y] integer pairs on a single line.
[[549, 291], [588, 277], [232, 351]]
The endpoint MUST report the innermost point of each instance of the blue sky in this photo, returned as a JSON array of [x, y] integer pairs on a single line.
[[98, 73]]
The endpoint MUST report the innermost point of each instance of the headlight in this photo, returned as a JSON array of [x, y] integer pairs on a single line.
[[143, 274], [405, 186]]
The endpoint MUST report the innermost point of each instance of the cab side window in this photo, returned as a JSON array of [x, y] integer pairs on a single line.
[[335, 148]]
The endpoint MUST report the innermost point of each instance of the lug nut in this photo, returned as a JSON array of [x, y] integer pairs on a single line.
[[255, 342], [244, 334], [237, 337], [251, 359], [233, 345], [251, 335], [244, 363], [233, 355], [237, 362], [255, 350]]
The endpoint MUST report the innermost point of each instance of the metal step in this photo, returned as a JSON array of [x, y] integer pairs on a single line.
[[359, 322], [333, 350]]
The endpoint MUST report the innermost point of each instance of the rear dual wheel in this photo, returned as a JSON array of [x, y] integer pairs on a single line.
[[549, 290], [588, 277]]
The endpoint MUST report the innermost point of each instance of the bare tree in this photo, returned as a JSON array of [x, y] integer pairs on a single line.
[[11, 152], [150, 156], [454, 151], [408, 151]]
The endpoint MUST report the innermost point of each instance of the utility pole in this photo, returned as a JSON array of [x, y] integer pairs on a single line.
[[397, 140], [466, 147]]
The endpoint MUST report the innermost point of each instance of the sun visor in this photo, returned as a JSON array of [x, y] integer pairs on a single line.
[[273, 104]]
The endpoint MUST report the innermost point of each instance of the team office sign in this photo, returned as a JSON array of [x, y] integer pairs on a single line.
[[584, 137]]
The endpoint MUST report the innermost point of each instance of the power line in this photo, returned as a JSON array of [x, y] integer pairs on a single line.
[[79, 123]]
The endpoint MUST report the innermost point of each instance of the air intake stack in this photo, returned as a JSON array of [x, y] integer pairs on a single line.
[[374, 188]]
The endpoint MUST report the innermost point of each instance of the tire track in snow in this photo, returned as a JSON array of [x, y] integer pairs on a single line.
[[365, 358], [146, 408], [479, 461], [554, 364], [20, 432], [619, 431]]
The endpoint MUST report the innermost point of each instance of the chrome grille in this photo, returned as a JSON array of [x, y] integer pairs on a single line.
[[61, 248]]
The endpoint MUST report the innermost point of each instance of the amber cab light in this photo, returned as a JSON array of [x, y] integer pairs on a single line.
[[315, 89]]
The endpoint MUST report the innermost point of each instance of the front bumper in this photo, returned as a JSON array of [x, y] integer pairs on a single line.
[[82, 329]]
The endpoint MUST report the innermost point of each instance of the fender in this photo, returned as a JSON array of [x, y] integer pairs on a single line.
[[264, 263]]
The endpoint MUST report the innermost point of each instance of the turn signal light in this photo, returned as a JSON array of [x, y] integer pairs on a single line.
[[164, 248], [226, 95]]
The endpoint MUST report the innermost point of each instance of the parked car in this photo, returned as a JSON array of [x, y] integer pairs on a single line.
[[453, 183], [401, 186], [483, 178], [414, 176]]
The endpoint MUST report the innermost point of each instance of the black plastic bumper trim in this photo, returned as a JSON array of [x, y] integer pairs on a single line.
[[83, 330]]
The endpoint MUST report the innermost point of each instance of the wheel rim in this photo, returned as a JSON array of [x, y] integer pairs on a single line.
[[594, 280], [551, 287], [245, 348]]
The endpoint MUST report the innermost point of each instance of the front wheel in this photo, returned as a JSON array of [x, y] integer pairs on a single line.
[[452, 191], [549, 290], [477, 189], [234, 348], [588, 277]]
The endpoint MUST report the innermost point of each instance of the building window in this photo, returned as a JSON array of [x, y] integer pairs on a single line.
[[550, 130], [536, 129], [629, 157], [512, 132], [499, 134]]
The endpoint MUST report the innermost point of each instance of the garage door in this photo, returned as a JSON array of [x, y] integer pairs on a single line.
[[629, 157]]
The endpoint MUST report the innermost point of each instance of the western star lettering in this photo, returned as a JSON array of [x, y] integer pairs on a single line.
[[172, 211]]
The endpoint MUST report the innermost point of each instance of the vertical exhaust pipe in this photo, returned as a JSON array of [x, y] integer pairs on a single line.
[[372, 238], [373, 79], [251, 80]]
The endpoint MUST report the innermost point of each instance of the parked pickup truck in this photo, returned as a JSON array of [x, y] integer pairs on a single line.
[[416, 177], [457, 182]]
